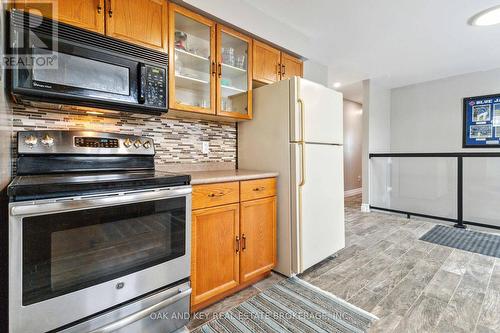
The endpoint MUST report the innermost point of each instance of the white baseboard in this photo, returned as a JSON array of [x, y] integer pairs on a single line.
[[365, 208], [353, 192]]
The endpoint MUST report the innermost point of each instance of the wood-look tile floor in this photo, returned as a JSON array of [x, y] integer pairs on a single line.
[[411, 285]]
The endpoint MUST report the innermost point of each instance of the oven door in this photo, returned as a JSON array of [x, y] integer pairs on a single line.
[[73, 257]]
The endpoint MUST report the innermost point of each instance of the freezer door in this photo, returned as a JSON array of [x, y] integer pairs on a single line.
[[321, 108], [318, 205]]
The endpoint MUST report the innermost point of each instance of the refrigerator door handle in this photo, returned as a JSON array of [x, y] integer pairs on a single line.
[[302, 164], [302, 119], [301, 185]]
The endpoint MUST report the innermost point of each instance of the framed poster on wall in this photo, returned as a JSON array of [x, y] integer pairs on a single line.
[[481, 128]]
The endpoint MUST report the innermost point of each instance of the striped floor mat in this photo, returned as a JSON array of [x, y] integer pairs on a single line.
[[292, 305], [467, 240]]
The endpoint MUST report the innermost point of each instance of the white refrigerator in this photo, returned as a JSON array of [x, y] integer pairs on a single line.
[[297, 131]]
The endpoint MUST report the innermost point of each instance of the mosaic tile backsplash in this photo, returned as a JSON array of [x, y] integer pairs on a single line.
[[176, 140]]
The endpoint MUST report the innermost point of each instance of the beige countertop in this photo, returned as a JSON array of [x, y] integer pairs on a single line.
[[221, 176]]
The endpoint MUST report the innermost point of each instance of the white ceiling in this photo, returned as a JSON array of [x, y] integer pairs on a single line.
[[395, 42], [353, 91]]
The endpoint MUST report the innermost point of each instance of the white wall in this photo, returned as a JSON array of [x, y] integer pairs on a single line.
[[427, 117], [380, 118], [245, 16], [259, 23], [353, 137], [316, 72], [376, 127]]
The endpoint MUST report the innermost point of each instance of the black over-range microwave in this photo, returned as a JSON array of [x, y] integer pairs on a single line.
[[57, 63]]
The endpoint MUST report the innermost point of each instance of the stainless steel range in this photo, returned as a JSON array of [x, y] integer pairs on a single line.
[[98, 240]]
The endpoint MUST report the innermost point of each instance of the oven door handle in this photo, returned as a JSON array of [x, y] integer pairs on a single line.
[[142, 313], [62, 205]]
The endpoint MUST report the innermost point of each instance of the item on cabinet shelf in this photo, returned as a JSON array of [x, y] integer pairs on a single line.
[[226, 82], [228, 56], [241, 62], [204, 103], [201, 52], [178, 66], [227, 104], [181, 40]]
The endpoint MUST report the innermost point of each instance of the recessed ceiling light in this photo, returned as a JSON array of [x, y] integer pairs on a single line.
[[337, 85], [487, 17]]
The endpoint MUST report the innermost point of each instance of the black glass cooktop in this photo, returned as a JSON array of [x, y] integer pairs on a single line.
[[35, 187]]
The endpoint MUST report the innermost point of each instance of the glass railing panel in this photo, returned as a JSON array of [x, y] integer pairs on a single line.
[[481, 190], [415, 184]]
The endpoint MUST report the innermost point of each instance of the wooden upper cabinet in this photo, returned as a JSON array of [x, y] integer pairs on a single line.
[[192, 61], [234, 73], [258, 237], [215, 252], [142, 22], [290, 66], [86, 14], [266, 63]]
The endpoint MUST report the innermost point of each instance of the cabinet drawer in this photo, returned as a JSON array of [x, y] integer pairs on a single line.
[[211, 195], [256, 189]]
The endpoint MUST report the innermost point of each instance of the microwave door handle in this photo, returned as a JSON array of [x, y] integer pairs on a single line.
[[142, 83]]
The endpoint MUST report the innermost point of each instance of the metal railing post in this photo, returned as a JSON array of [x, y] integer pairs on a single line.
[[460, 200]]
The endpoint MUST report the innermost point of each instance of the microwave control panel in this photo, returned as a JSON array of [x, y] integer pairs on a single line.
[[153, 86]]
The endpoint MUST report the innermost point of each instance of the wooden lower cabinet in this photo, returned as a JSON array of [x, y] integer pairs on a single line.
[[233, 245], [215, 251], [258, 235]]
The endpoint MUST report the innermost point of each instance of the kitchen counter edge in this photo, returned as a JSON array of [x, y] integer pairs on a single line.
[[219, 176]]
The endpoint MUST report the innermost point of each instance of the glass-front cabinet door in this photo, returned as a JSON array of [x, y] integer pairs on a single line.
[[192, 62], [234, 81]]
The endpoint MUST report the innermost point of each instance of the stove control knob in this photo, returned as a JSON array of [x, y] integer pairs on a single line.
[[137, 143], [127, 143], [147, 144], [31, 140], [47, 140]]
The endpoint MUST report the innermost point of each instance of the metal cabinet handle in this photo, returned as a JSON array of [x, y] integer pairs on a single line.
[[260, 188], [278, 70], [110, 11], [283, 71], [214, 71], [243, 242], [99, 7], [213, 195], [237, 244], [220, 70], [142, 313]]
